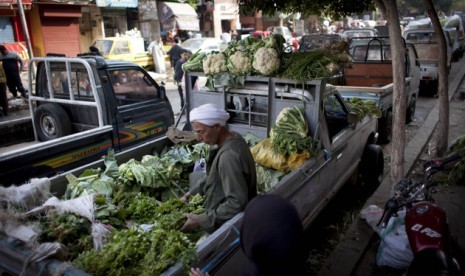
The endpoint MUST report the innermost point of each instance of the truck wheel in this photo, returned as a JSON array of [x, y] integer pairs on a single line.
[[411, 111], [51, 121], [385, 128], [372, 166]]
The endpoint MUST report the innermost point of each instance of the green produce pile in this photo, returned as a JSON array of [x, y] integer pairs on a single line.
[[137, 212], [363, 108], [266, 57], [457, 173], [290, 134], [289, 145], [317, 64]]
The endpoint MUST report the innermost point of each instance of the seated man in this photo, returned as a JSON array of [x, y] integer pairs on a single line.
[[231, 180]]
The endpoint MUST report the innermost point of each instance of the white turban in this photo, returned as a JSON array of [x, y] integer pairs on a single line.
[[209, 115]]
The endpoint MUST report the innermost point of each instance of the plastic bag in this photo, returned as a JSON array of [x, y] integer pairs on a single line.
[[200, 165], [394, 250]]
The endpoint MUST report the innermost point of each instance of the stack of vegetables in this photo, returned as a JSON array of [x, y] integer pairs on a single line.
[[123, 220], [457, 173], [266, 57], [363, 108], [290, 143]]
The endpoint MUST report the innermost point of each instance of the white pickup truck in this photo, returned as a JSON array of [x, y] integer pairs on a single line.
[[347, 146], [427, 46], [370, 77]]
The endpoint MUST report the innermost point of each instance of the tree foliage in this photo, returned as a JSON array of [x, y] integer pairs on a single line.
[[409, 7], [333, 8]]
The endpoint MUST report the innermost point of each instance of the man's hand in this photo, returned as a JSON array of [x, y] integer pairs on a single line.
[[185, 198], [197, 272], [191, 224]]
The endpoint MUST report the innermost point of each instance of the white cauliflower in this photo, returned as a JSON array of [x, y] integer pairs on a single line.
[[266, 61], [214, 63], [239, 63]]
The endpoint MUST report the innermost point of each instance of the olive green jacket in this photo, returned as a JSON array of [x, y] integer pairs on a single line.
[[230, 184]]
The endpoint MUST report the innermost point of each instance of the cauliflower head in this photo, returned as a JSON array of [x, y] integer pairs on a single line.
[[239, 63], [266, 61], [214, 63]]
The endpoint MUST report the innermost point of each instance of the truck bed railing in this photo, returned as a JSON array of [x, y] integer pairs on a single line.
[[51, 97]]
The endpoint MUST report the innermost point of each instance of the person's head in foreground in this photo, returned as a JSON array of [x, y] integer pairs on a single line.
[[272, 237]]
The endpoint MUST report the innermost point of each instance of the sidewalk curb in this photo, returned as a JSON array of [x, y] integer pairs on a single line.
[[349, 251]]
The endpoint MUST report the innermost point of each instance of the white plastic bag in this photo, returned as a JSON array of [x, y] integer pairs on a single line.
[[200, 165], [394, 250]]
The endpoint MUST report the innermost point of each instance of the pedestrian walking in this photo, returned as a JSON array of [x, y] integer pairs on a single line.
[[155, 48], [175, 52], [179, 75], [3, 97], [10, 62]]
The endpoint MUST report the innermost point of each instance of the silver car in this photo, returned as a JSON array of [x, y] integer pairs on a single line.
[[205, 44]]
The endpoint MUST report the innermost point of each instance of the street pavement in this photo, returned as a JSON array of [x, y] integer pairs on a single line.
[[356, 251]]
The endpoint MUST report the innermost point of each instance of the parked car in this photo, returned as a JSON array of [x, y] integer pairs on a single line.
[[205, 44], [361, 32]]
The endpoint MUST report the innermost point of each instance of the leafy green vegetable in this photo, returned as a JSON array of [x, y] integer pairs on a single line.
[[133, 251], [194, 63], [71, 230], [457, 173], [290, 134], [363, 108]]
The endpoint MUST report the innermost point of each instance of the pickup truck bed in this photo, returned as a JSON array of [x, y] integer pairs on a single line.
[[347, 149]]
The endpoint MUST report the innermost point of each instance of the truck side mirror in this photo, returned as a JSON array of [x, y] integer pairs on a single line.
[[352, 118]]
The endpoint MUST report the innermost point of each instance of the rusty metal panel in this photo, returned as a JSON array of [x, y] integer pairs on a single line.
[[61, 35]]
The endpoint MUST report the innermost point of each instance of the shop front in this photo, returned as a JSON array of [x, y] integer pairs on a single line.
[[178, 19]]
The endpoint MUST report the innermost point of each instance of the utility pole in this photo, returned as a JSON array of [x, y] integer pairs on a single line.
[[26, 34]]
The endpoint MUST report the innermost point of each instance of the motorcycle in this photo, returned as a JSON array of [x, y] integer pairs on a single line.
[[434, 251]]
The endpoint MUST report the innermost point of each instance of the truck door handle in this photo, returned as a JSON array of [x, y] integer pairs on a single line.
[[127, 119]]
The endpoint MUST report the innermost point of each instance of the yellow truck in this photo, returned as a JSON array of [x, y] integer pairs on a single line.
[[125, 48]]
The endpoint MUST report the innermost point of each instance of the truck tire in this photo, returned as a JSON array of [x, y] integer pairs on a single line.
[[51, 121], [411, 111], [385, 128], [372, 165]]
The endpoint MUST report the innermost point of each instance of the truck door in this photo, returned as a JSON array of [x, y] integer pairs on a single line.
[[344, 139], [143, 112]]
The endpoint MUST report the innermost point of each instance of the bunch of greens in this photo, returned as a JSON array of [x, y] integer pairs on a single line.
[[317, 64], [161, 177], [136, 252], [194, 63], [457, 173], [126, 251], [94, 181], [290, 134], [68, 229], [363, 108]]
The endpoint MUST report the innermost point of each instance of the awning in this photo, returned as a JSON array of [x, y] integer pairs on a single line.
[[117, 3], [178, 15]]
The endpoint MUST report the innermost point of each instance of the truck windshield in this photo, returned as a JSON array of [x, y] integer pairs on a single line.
[[426, 37], [133, 86]]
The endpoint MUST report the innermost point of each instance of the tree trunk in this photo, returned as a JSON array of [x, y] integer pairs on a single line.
[[399, 104], [443, 85]]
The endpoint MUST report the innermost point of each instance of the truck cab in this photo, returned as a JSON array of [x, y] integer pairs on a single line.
[[80, 108]]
